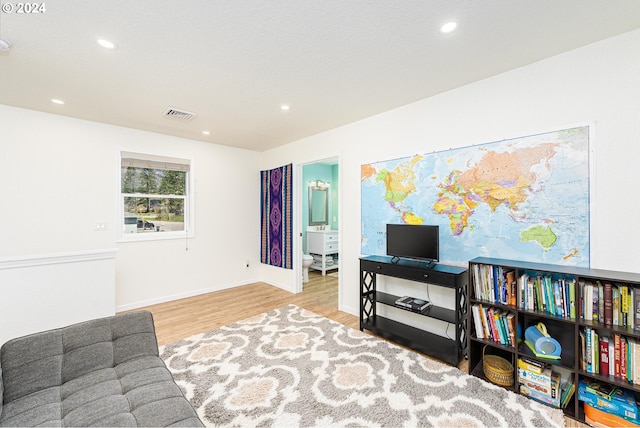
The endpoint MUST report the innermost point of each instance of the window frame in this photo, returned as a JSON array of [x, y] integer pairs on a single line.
[[189, 229]]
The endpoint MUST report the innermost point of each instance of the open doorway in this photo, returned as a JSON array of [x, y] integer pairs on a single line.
[[320, 229]]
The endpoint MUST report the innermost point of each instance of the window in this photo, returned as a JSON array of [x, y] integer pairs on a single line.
[[154, 196]]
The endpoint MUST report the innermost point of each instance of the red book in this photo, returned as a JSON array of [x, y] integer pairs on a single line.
[[623, 358], [604, 355], [492, 323], [616, 356], [608, 304]]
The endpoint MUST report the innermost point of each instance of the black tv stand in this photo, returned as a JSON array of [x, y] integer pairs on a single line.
[[447, 349]]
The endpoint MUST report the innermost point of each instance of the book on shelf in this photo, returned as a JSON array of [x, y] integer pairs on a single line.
[[491, 321], [611, 358], [494, 284], [594, 352], [531, 365], [547, 294], [610, 355], [511, 327], [539, 396], [511, 281], [609, 304], [588, 301], [601, 418], [494, 324], [636, 361], [541, 382], [604, 355], [568, 387], [572, 299], [603, 390], [616, 354], [546, 383], [412, 303], [636, 305], [623, 358], [615, 302], [601, 314], [621, 402], [477, 321], [497, 324], [624, 305], [583, 348]]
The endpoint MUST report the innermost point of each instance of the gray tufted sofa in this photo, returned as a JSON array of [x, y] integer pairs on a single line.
[[103, 372]]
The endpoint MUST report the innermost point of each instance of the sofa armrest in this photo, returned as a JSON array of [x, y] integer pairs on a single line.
[[1, 391]]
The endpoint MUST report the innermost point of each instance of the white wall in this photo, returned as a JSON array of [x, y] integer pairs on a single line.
[[60, 177], [599, 83], [35, 290]]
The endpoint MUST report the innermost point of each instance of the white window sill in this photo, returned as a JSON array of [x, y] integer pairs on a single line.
[[157, 236]]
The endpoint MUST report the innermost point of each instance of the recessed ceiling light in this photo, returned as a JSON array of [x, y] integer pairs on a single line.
[[107, 44], [206, 132], [449, 27], [284, 107], [57, 101]]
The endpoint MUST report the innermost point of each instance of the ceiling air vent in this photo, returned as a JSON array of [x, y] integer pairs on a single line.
[[178, 114]]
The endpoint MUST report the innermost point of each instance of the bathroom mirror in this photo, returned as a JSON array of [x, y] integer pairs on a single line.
[[318, 206]]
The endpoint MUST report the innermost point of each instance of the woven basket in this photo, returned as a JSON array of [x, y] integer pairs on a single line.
[[496, 369]]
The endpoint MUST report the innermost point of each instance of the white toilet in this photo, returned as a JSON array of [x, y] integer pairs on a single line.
[[307, 260]]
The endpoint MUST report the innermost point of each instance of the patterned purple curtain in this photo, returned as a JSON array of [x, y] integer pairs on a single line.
[[276, 217]]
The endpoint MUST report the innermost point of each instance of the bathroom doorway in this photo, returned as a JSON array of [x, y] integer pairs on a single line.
[[320, 229]]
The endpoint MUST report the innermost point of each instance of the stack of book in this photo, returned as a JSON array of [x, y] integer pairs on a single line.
[[538, 381], [609, 399]]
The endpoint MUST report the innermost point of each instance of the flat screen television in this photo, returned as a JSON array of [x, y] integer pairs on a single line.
[[413, 241]]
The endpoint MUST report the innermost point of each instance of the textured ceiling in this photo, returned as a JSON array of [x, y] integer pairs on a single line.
[[235, 62]]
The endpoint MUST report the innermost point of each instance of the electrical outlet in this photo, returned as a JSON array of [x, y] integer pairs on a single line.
[[101, 226]]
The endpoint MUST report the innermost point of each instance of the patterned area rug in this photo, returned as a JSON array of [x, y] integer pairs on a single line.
[[291, 367]]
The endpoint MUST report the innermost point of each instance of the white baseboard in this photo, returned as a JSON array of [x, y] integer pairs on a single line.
[[290, 289], [350, 310], [172, 297]]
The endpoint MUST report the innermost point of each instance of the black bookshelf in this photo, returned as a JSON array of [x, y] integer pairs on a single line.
[[566, 329]]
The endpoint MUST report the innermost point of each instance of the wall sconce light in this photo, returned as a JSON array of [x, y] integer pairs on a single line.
[[319, 183]]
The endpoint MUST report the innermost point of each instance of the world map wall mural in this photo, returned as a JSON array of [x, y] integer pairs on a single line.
[[524, 199]]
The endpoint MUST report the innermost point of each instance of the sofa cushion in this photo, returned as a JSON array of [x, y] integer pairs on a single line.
[[104, 372], [38, 408], [31, 365]]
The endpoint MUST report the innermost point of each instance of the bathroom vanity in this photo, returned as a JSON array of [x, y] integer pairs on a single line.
[[322, 245]]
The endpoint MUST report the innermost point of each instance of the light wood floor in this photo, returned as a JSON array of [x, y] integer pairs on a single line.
[[182, 318]]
